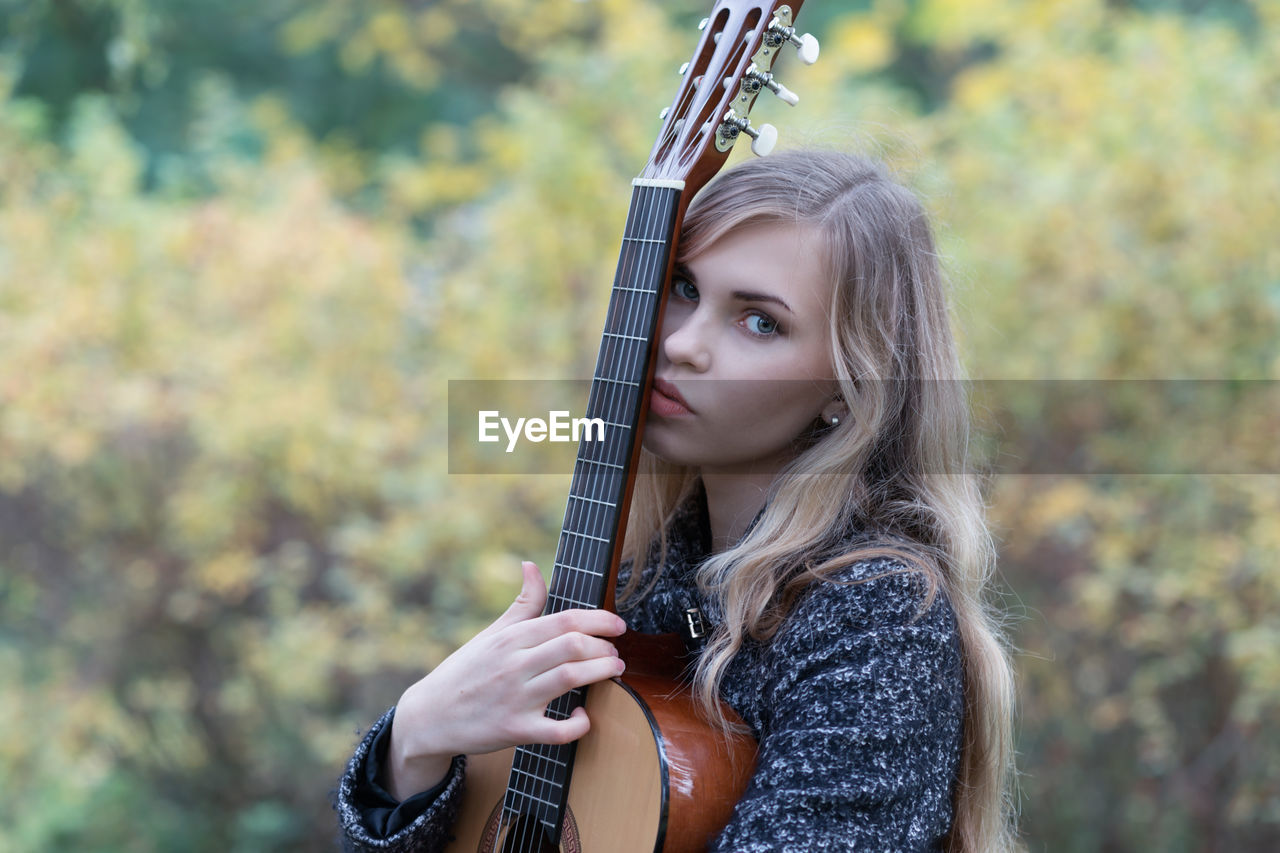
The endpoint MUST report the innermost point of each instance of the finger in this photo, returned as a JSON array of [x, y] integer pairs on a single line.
[[563, 678], [547, 730], [597, 623], [573, 646], [529, 603]]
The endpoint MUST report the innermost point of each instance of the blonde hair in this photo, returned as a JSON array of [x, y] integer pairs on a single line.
[[897, 470]]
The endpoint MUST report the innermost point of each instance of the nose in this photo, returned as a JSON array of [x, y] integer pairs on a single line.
[[685, 340]]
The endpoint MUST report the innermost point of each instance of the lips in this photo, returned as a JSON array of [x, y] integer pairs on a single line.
[[666, 400]]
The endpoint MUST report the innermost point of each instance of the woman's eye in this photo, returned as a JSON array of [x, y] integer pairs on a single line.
[[685, 289], [761, 324]]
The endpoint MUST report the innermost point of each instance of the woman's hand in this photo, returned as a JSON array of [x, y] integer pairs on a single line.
[[491, 693]]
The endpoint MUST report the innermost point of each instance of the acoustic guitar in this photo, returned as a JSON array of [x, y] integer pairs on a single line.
[[651, 775]]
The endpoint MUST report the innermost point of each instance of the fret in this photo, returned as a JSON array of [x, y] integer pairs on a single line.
[[578, 569], [587, 521], [552, 782], [593, 487], [586, 584], [525, 751], [647, 291], [615, 381], [572, 603], [589, 553], [603, 464], [570, 700], [644, 240], [585, 536], [600, 457], [564, 705], [535, 773], [532, 804], [617, 425], [572, 496], [627, 337], [535, 798]]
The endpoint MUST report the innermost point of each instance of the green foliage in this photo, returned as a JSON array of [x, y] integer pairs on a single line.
[[243, 248]]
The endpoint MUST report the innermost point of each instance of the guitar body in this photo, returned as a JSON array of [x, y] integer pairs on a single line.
[[651, 775]]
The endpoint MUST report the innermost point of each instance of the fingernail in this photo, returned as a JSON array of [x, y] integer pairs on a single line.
[[622, 665], [622, 625]]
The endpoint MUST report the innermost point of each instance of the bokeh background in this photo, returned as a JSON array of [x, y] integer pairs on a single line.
[[244, 245]]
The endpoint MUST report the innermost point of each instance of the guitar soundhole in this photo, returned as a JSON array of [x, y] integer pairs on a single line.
[[526, 835]]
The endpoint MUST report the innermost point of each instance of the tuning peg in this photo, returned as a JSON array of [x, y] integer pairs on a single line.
[[787, 96], [762, 140], [683, 68], [767, 79], [702, 25], [665, 112], [806, 45]]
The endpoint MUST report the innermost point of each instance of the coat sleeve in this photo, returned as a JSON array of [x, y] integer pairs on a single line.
[[427, 818], [860, 733]]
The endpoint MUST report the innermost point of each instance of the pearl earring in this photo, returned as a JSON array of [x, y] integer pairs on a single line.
[[835, 421]]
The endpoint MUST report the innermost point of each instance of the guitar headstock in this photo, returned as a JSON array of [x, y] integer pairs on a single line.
[[732, 65]]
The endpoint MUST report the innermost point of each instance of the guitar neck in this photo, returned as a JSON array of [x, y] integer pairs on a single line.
[[595, 513]]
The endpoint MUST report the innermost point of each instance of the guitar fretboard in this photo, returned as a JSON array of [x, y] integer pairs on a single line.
[[539, 779]]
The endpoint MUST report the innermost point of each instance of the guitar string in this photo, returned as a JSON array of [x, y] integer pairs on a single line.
[[583, 519]]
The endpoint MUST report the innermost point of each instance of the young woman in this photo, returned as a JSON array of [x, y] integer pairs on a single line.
[[804, 484]]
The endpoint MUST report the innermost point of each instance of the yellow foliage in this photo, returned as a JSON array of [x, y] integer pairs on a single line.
[[866, 44], [222, 419], [229, 576]]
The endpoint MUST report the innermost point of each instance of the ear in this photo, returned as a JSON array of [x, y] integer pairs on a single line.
[[835, 412]]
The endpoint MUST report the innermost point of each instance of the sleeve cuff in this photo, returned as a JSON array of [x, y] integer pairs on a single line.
[[382, 814], [371, 818]]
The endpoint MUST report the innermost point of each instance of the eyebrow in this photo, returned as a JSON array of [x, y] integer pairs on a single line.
[[741, 295]]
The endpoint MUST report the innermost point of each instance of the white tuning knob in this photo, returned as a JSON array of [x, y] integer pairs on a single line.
[[787, 96], [807, 47], [762, 139]]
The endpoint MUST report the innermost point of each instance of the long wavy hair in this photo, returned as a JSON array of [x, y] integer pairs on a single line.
[[897, 470]]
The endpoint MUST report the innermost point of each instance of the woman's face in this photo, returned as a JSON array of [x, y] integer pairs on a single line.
[[744, 363]]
